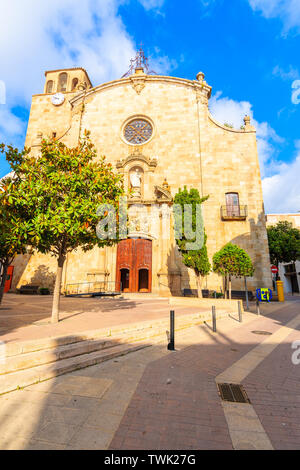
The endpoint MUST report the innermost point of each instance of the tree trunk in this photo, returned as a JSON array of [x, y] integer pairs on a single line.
[[199, 285], [3, 279], [229, 286], [57, 288], [225, 286]]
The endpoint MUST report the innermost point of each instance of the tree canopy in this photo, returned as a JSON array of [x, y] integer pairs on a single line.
[[230, 261], [15, 224], [61, 190], [284, 243], [233, 260], [192, 240]]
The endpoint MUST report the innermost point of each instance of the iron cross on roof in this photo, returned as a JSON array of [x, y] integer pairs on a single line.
[[140, 61]]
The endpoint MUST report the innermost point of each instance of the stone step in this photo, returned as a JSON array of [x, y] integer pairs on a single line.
[[80, 351], [128, 330], [45, 356], [23, 347], [24, 378], [141, 332]]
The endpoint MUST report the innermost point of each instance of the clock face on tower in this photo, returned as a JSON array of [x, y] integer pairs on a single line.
[[138, 131], [58, 99]]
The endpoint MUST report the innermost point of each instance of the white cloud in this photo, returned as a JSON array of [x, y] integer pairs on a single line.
[[226, 110], [282, 190], [152, 4], [36, 36], [161, 64], [287, 10], [12, 128]]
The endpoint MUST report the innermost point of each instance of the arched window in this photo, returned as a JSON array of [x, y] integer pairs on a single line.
[[233, 204], [74, 83], [49, 87], [62, 82]]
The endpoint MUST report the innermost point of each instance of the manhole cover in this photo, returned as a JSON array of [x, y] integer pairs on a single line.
[[233, 393], [264, 333]]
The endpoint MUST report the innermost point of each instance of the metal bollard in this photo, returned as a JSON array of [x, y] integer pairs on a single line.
[[214, 319], [257, 307], [171, 345], [240, 312], [247, 296]]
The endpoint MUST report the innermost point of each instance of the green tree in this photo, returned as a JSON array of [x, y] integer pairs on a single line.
[[232, 261], [14, 221], [61, 191], [284, 243], [187, 208]]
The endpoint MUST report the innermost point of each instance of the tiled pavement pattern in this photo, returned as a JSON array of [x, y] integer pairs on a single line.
[[187, 412], [153, 399], [274, 390]]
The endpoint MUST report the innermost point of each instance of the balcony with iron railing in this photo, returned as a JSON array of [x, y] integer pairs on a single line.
[[236, 212]]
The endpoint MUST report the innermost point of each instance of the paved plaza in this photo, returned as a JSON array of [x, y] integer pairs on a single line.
[[156, 399], [27, 317]]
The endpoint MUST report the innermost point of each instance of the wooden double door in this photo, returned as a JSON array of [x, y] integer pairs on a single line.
[[134, 265]]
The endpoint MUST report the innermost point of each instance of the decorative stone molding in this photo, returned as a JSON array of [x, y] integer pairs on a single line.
[[138, 83], [202, 94], [201, 98], [248, 126], [202, 89], [163, 194], [137, 156]]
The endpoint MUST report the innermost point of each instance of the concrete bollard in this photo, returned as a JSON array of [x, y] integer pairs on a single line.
[[240, 312]]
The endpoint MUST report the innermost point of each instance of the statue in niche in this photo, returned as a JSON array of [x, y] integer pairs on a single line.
[[136, 182]]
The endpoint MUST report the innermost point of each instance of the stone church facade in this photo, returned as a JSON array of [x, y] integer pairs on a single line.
[[158, 132]]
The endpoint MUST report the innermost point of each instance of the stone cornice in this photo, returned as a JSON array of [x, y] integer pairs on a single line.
[[201, 88], [137, 156], [251, 130]]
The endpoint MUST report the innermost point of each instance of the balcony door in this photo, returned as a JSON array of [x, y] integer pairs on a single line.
[[232, 205]]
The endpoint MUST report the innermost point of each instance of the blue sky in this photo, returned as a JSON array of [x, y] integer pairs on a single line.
[[248, 50]]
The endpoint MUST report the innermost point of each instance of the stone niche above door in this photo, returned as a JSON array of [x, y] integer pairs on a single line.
[[138, 175]]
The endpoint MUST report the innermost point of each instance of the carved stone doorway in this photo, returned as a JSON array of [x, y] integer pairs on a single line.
[[134, 265]]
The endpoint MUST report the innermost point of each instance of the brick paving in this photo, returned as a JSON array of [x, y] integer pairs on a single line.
[[155, 399], [274, 390], [186, 412]]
